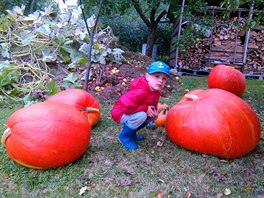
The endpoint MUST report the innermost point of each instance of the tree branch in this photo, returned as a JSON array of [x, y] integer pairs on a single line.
[[84, 18], [162, 14], [153, 12], [90, 46], [140, 12]]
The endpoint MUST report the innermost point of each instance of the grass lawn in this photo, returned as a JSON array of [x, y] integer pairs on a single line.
[[108, 170]]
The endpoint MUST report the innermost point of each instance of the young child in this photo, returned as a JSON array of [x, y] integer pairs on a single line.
[[138, 106]]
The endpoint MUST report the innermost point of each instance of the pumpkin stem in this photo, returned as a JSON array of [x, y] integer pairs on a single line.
[[90, 109], [191, 97], [6, 134]]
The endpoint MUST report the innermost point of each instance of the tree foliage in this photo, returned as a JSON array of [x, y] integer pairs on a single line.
[[258, 17], [141, 23], [30, 5]]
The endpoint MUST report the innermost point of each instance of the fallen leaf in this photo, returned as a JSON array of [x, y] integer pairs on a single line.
[[83, 190], [189, 194], [223, 161], [227, 191], [159, 195], [159, 143], [126, 171], [204, 155], [249, 189]]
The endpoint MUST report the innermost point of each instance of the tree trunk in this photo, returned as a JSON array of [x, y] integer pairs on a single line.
[[151, 23], [151, 39]]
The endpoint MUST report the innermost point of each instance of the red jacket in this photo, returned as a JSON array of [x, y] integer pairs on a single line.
[[137, 98]]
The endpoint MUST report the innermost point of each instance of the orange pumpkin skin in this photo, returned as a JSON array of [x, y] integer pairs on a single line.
[[47, 135], [214, 122], [227, 78], [160, 121], [80, 99], [162, 106]]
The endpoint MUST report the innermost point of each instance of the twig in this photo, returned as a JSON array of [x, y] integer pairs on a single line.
[[91, 35]]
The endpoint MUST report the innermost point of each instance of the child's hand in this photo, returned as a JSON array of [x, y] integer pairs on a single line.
[[152, 112]]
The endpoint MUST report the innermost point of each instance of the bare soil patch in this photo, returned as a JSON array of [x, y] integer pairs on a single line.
[[108, 82]]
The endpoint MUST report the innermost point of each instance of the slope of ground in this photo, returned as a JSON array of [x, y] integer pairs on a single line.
[[108, 82]]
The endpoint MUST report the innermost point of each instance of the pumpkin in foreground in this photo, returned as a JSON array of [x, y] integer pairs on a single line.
[[214, 122], [227, 78], [46, 135], [80, 99]]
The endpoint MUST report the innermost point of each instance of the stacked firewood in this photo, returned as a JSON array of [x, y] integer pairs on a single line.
[[228, 30], [194, 57], [227, 43], [255, 56], [227, 47]]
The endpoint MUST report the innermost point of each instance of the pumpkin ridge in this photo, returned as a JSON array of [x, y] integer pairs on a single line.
[[251, 125], [76, 121]]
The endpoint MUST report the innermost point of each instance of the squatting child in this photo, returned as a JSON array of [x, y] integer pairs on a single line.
[[137, 107]]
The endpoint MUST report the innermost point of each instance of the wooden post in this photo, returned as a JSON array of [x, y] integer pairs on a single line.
[[179, 34], [247, 34]]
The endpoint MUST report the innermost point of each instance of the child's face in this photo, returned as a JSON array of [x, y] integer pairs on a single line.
[[156, 81]]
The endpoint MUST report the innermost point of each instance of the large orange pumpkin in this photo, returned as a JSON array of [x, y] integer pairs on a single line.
[[46, 135], [227, 78], [82, 100], [215, 122]]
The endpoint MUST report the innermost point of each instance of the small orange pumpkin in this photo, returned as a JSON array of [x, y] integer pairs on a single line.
[[162, 106], [80, 99], [160, 121]]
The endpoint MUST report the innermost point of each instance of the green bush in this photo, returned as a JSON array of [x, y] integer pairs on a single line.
[[131, 32], [163, 39]]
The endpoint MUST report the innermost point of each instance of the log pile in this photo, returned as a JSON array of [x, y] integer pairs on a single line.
[[255, 56], [194, 58], [226, 46]]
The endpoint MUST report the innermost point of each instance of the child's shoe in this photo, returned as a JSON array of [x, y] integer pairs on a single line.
[[138, 137], [125, 137]]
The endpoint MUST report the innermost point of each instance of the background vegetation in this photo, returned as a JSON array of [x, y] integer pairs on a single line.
[[130, 27]]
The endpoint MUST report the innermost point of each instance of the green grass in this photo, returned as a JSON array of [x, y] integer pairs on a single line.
[[108, 170]]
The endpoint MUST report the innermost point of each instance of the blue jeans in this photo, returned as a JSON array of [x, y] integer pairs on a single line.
[[137, 119]]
